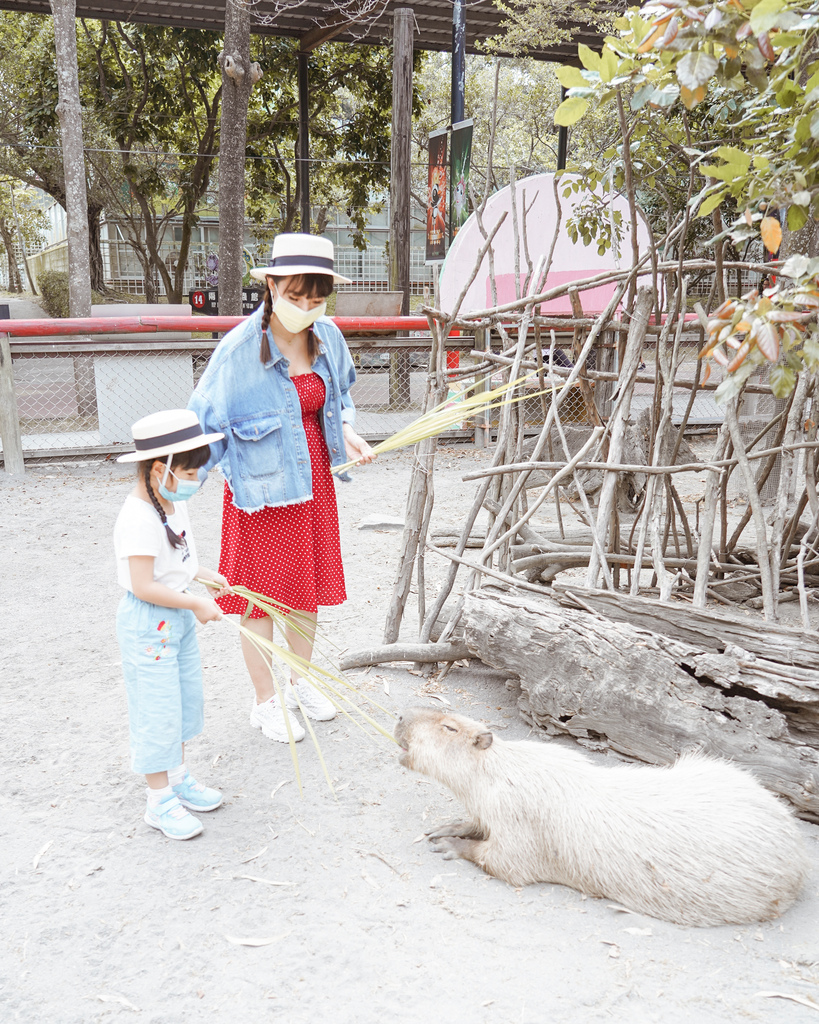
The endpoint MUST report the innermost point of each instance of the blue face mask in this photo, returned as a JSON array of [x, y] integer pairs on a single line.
[[185, 489]]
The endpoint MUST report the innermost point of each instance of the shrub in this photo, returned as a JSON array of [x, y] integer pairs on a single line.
[[54, 292], [53, 286]]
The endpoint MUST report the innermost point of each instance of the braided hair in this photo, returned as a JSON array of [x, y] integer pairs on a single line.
[[314, 286], [192, 459]]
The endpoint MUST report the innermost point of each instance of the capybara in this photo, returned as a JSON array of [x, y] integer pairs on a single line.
[[697, 843]]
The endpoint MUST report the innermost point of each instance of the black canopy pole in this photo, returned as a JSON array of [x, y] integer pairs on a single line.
[[304, 142], [458, 60], [562, 138]]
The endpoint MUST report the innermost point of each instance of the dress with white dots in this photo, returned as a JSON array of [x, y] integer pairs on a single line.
[[291, 553]]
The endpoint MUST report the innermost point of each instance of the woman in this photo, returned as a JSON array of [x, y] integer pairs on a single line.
[[278, 386]]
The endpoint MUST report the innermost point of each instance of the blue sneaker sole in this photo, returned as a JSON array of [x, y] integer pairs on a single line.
[[170, 835], [200, 807]]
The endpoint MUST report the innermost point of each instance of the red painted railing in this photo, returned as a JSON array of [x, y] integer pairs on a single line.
[[153, 324]]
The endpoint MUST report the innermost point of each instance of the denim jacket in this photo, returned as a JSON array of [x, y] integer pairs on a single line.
[[264, 455]]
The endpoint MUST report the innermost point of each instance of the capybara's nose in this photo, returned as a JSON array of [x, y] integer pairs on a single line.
[[400, 718]]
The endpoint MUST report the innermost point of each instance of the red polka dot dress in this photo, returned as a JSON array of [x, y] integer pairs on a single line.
[[291, 553]]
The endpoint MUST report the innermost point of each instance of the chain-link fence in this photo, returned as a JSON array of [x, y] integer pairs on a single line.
[[369, 270], [704, 413], [79, 398], [124, 273]]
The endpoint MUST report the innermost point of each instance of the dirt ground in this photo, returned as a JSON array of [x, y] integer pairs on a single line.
[[104, 919]]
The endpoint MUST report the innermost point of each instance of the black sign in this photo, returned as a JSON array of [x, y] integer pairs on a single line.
[[251, 299], [206, 300]]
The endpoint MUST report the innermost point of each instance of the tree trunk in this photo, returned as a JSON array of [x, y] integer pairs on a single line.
[[237, 81], [655, 680], [97, 265], [189, 221], [15, 283], [69, 112], [403, 21]]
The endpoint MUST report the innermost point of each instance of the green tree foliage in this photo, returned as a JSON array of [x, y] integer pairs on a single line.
[[350, 113], [530, 24], [19, 216], [525, 134], [151, 101], [157, 91], [29, 130], [742, 79]]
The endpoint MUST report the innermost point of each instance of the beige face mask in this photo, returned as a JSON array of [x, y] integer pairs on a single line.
[[292, 317]]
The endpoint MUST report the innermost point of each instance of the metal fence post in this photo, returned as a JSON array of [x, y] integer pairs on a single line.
[[9, 415], [482, 420]]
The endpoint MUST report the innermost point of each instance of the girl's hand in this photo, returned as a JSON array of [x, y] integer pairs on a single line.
[[357, 447], [206, 610], [222, 588]]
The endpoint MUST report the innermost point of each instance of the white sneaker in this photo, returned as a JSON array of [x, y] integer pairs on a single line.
[[314, 704], [269, 717]]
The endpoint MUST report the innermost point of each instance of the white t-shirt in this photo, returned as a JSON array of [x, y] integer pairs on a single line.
[[140, 531]]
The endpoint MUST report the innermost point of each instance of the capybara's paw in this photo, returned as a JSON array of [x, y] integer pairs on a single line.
[[460, 829], [453, 848]]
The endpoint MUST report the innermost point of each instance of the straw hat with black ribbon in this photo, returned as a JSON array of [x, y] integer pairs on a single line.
[[166, 433], [300, 254]]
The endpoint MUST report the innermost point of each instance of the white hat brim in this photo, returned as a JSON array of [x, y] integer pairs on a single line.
[[170, 449], [260, 273]]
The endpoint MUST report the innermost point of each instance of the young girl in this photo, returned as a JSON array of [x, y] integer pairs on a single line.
[[156, 620]]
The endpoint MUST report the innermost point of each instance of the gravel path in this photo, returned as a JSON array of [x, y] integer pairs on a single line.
[[105, 920]]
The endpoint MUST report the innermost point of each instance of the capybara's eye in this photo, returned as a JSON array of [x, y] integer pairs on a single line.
[[450, 727]]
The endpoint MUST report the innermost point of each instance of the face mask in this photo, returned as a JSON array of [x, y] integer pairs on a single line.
[[185, 489], [293, 318]]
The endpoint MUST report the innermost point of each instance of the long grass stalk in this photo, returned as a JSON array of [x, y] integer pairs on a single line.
[[450, 412], [282, 615], [331, 684]]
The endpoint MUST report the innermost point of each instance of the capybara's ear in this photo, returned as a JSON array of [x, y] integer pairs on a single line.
[[483, 740]]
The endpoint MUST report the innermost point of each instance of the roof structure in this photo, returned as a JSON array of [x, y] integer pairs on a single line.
[[316, 22]]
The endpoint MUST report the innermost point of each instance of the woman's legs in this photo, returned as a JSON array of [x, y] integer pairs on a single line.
[[299, 635], [258, 664], [300, 632]]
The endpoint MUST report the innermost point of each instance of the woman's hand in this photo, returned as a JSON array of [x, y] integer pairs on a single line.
[[206, 610], [357, 447]]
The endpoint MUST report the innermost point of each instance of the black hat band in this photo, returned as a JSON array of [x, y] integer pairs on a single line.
[[303, 261], [145, 444]]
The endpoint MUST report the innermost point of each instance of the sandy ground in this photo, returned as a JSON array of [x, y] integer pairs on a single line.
[[104, 919]]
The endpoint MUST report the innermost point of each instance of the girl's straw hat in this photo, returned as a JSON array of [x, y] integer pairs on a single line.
[[300, 254], [166, 433]]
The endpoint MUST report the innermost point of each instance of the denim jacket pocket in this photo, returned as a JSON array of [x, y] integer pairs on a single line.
[[259, 446]]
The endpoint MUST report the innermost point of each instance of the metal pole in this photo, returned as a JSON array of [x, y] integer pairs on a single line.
[[9, 415], [304, 142], [458, 60], [562, 138]]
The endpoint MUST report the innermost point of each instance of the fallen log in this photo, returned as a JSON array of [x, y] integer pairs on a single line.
[[612, 682], [404, 652], [699, 627]]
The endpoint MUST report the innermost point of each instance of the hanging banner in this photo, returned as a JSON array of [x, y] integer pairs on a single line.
[[459, 162], [436, 198]]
